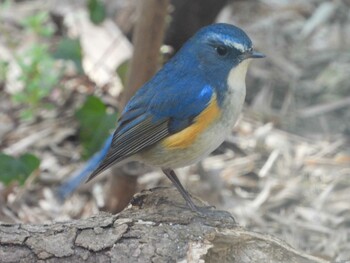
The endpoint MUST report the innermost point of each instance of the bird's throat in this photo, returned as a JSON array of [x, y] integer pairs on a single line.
[[236, 77]]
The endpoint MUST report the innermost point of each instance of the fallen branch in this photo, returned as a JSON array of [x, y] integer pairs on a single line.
[[157, 227]]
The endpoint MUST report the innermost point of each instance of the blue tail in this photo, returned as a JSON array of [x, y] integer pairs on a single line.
[[68, 187]]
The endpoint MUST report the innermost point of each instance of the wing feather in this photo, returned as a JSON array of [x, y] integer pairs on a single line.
[[131, 141], [151, 116]]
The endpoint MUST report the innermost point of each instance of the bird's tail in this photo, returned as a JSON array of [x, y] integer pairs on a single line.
[[80, 175]]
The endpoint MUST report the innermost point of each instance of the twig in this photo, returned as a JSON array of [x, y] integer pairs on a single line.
[[323, 108]]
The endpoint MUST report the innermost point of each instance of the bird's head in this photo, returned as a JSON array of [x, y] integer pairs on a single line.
[[219, 48]]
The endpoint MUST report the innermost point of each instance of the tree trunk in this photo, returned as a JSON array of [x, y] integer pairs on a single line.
[[148, 38], [188, 17], [157, 227]]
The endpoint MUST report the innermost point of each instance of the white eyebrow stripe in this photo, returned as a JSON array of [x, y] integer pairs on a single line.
[[242, 48], [237, 46]]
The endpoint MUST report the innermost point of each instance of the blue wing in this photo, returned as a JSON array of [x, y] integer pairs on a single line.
[[160, 108]]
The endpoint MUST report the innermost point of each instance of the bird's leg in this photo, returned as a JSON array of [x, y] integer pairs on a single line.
[[173, 178], [201, 211]]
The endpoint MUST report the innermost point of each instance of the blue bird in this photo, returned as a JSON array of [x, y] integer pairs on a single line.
[[188, 108]]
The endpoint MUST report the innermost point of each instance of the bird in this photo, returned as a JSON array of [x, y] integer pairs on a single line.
[[188, 108]]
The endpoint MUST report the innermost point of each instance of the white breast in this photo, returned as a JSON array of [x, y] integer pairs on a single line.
[[231, 108], [234, 99]]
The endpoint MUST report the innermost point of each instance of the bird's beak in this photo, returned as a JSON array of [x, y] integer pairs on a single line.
[[256, 54], [252, 54]]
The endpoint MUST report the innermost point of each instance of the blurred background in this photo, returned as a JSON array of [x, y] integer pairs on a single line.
[[65, 74]]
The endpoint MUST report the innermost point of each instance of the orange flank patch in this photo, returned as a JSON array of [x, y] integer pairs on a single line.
[[186, 137]]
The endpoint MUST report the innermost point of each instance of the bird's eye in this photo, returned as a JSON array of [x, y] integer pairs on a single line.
[[221, 50]]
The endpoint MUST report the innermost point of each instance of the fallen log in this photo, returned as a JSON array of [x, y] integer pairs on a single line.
[[156, 227]]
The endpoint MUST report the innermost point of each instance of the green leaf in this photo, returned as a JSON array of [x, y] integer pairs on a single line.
[[122, 70], [39, 24], [17, 169], [95, 125], [27, 114], [39, 77], [97, 11], [70, 49]]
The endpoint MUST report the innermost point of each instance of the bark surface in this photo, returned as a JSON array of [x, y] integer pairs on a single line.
[[156, 227]]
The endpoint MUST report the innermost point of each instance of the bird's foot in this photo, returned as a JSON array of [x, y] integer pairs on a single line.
[[211, 212]]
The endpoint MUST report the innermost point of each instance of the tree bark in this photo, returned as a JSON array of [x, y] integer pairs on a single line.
[[156, 227], [188, 17], [147, 39]]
